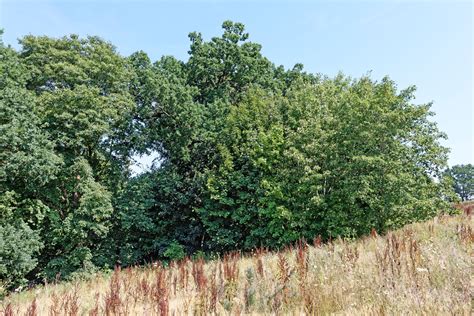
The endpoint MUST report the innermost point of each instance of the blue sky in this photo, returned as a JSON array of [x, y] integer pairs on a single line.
[[426, 43]]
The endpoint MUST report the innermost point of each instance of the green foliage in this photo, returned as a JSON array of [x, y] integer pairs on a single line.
[[337, 159], [60, 153], [462, 180], [224, 67], [26, 154], [174, 251], [249, 155], [136, 237], [19, 246]]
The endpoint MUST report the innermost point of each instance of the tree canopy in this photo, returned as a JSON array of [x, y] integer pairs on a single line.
[[462, 180], [250, 154]]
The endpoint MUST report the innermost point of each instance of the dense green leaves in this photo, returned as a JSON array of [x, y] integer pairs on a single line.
[[319, 162], [62, 103], [249, 154], [19, 246], [462, 177], [224, 67]]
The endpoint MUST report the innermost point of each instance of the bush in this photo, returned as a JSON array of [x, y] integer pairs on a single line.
[[18, 248], [174, 251]]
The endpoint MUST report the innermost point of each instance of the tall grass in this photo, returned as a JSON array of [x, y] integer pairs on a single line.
[[424, 268]]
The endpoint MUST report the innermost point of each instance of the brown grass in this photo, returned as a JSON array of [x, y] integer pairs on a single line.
[[424, 268]]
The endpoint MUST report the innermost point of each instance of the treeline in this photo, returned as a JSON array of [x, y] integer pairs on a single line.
[[250, 155]]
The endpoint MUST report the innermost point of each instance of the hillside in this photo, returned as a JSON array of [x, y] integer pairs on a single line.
[[424, 268]]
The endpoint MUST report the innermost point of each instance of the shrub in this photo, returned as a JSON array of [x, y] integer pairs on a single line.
[[174, 251], [18, 247]]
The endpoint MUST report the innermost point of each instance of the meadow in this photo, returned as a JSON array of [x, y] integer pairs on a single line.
[[423, 268]]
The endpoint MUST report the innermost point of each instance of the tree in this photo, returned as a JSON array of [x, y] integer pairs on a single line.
[[250, 154], [27, 164], [63, 155], [254, 155], [463, 180], [226, 66], [336, 158]]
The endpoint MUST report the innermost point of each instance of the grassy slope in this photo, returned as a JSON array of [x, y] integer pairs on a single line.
[[424, 268]]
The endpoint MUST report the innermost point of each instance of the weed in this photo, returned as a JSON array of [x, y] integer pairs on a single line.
[[402, 272]]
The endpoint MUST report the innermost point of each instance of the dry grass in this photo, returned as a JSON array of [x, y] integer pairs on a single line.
[[424, 268]]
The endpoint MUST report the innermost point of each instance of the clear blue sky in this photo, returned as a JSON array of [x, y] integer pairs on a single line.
[[427, 43]]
